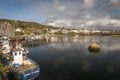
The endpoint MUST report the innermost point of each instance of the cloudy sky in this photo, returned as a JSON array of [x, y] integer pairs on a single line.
[[62, 12]]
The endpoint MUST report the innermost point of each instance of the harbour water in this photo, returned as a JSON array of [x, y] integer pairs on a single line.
[[68, 58]]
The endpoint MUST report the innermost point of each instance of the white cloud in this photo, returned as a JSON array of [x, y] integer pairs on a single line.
[[114, 1], [105, 23], [60, 22], [112, 5], [61, 8], [58, 5], [89, 3], [75, 13]]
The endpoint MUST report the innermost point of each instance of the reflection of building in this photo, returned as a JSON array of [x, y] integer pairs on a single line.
[[53, 39], [6, 28], [65, 39]]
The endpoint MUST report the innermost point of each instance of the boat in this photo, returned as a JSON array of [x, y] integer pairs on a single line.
[[21, 66]]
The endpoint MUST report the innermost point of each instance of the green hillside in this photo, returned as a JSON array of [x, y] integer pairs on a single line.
[[29, 27]]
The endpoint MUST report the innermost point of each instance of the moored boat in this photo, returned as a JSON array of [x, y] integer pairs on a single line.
[[21, 66]]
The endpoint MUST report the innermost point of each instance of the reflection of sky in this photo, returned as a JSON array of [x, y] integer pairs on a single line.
[[61, 43], [106, 43], [71, 60]]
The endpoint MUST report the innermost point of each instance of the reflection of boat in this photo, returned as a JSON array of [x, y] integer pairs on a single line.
[[21, 66], [94, 47]]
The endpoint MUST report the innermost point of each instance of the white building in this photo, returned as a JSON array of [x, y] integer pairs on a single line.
[[53, 31], [65, 31], [74, 30], [17, 57], [19, 30], [85, 31], [96, 31]]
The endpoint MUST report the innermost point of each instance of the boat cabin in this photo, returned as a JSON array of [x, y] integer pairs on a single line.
[[17, 55]]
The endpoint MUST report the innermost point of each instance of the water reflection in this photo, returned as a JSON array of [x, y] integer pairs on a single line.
[[68, 58], [32, 44]]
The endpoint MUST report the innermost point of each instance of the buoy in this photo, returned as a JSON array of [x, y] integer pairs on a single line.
[[94, 47]]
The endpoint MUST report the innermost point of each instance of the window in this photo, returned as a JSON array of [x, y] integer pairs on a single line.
[[19, 53], [15, 53]]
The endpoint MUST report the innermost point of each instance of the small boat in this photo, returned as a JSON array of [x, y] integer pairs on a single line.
[[94, 47], [21, 66]]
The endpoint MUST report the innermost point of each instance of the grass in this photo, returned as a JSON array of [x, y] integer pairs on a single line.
[[3, 69]]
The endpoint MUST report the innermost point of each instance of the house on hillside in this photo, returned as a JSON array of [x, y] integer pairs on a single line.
[[74, 30], [85, 31], [19, 30], [65, 31], [53, 31]]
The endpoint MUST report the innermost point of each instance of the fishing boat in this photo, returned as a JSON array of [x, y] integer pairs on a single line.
[[21, 66]]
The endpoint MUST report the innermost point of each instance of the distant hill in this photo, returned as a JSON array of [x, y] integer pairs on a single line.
[[23, 24], [29, 26]]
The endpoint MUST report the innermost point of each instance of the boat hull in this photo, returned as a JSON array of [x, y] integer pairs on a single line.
[[26, 75]]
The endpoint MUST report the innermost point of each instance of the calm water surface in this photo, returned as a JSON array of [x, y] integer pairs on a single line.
[[68, 58]]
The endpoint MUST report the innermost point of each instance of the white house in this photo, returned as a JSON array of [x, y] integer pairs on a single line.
[[96, 31], [85, 31], [53, 31], [65, 31], [74, 30], [19, 30]]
